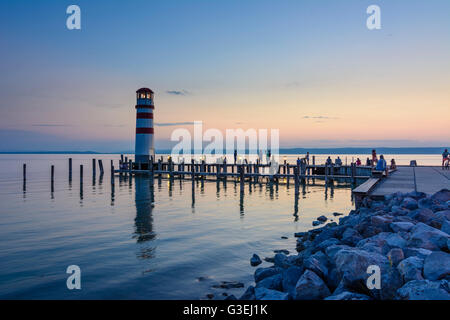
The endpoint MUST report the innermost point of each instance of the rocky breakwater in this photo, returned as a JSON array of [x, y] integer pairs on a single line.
[[406, 236]]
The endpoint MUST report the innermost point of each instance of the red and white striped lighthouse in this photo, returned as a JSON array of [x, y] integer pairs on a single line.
[[144, 147]]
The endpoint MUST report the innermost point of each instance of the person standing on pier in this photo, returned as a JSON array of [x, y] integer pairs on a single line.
[[445, 157], [307, 157], [374, 158], [358, 161], [235, 155]]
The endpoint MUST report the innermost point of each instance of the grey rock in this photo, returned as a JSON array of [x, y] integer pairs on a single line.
[[290, 279], [352, 265], [416, 195], [311, 287], [336, 214], [267, 294], [327, 243], [437, 266], [411, 269], [441, 196], [273, 283], [303, 235], [262, 273], [424, 236], [333, 279], [445, 227], [416, 252], [229, 285], [351, 237], [249, 294], [391, 281], [286, 252], [316, 223], [409, 203], [331, 251], [255, 260], [347, 295], [423, 290], [401, 226], [317, 266], [322, 219], [395, 255], [280, 260], [395, 241]]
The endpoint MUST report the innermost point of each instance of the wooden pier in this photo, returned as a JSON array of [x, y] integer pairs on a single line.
[[247, 171], [405, 179]]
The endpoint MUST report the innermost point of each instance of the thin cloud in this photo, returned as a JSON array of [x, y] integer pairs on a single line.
[[171, 124], [51, 125], [178, 92], [320, 117]]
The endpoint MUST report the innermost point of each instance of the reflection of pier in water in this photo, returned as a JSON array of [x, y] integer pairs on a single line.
[[144, 186]]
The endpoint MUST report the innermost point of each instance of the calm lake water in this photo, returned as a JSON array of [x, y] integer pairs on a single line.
[[143, 242]]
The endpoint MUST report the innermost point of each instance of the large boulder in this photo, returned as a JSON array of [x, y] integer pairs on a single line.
[[273, 283], [437, 266], [424, 290], [267, 294], [424, 215], [290, 279], [262, 273], [351, 237], [445, 227], [411, 269], [395, 256], [352, 265], [249, 294], [382, 242], [427, 237], [391, 281], [401, 226], [255, 260], [281, 261], [416, 252], [311, 287], [331, 251], [441, 196], [409, 203], [312, 263], [327, 243]]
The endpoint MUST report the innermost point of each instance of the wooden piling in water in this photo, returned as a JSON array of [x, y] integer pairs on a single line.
[[70, 169], [100, 165], [81, 174], [94, 168], [112, 174], [296, 180], [24, 172], [241, 176]]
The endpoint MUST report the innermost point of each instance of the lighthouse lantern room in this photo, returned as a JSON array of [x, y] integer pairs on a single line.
[[144, 147]]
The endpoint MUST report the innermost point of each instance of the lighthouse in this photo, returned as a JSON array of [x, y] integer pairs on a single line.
[[144, 147]]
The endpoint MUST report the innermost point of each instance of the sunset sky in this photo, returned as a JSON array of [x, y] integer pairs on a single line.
[[309, 68]]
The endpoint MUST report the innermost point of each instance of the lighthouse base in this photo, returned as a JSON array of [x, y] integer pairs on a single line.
[[140, 158]]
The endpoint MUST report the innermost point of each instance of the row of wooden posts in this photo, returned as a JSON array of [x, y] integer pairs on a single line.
[[202, 170]]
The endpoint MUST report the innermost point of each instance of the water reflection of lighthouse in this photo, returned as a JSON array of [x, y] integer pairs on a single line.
[[143, 222]]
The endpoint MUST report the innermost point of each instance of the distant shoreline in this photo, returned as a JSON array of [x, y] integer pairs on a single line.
[[380, 150]]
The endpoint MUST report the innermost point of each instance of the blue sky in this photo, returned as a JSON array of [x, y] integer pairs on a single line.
[[310, 68]]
